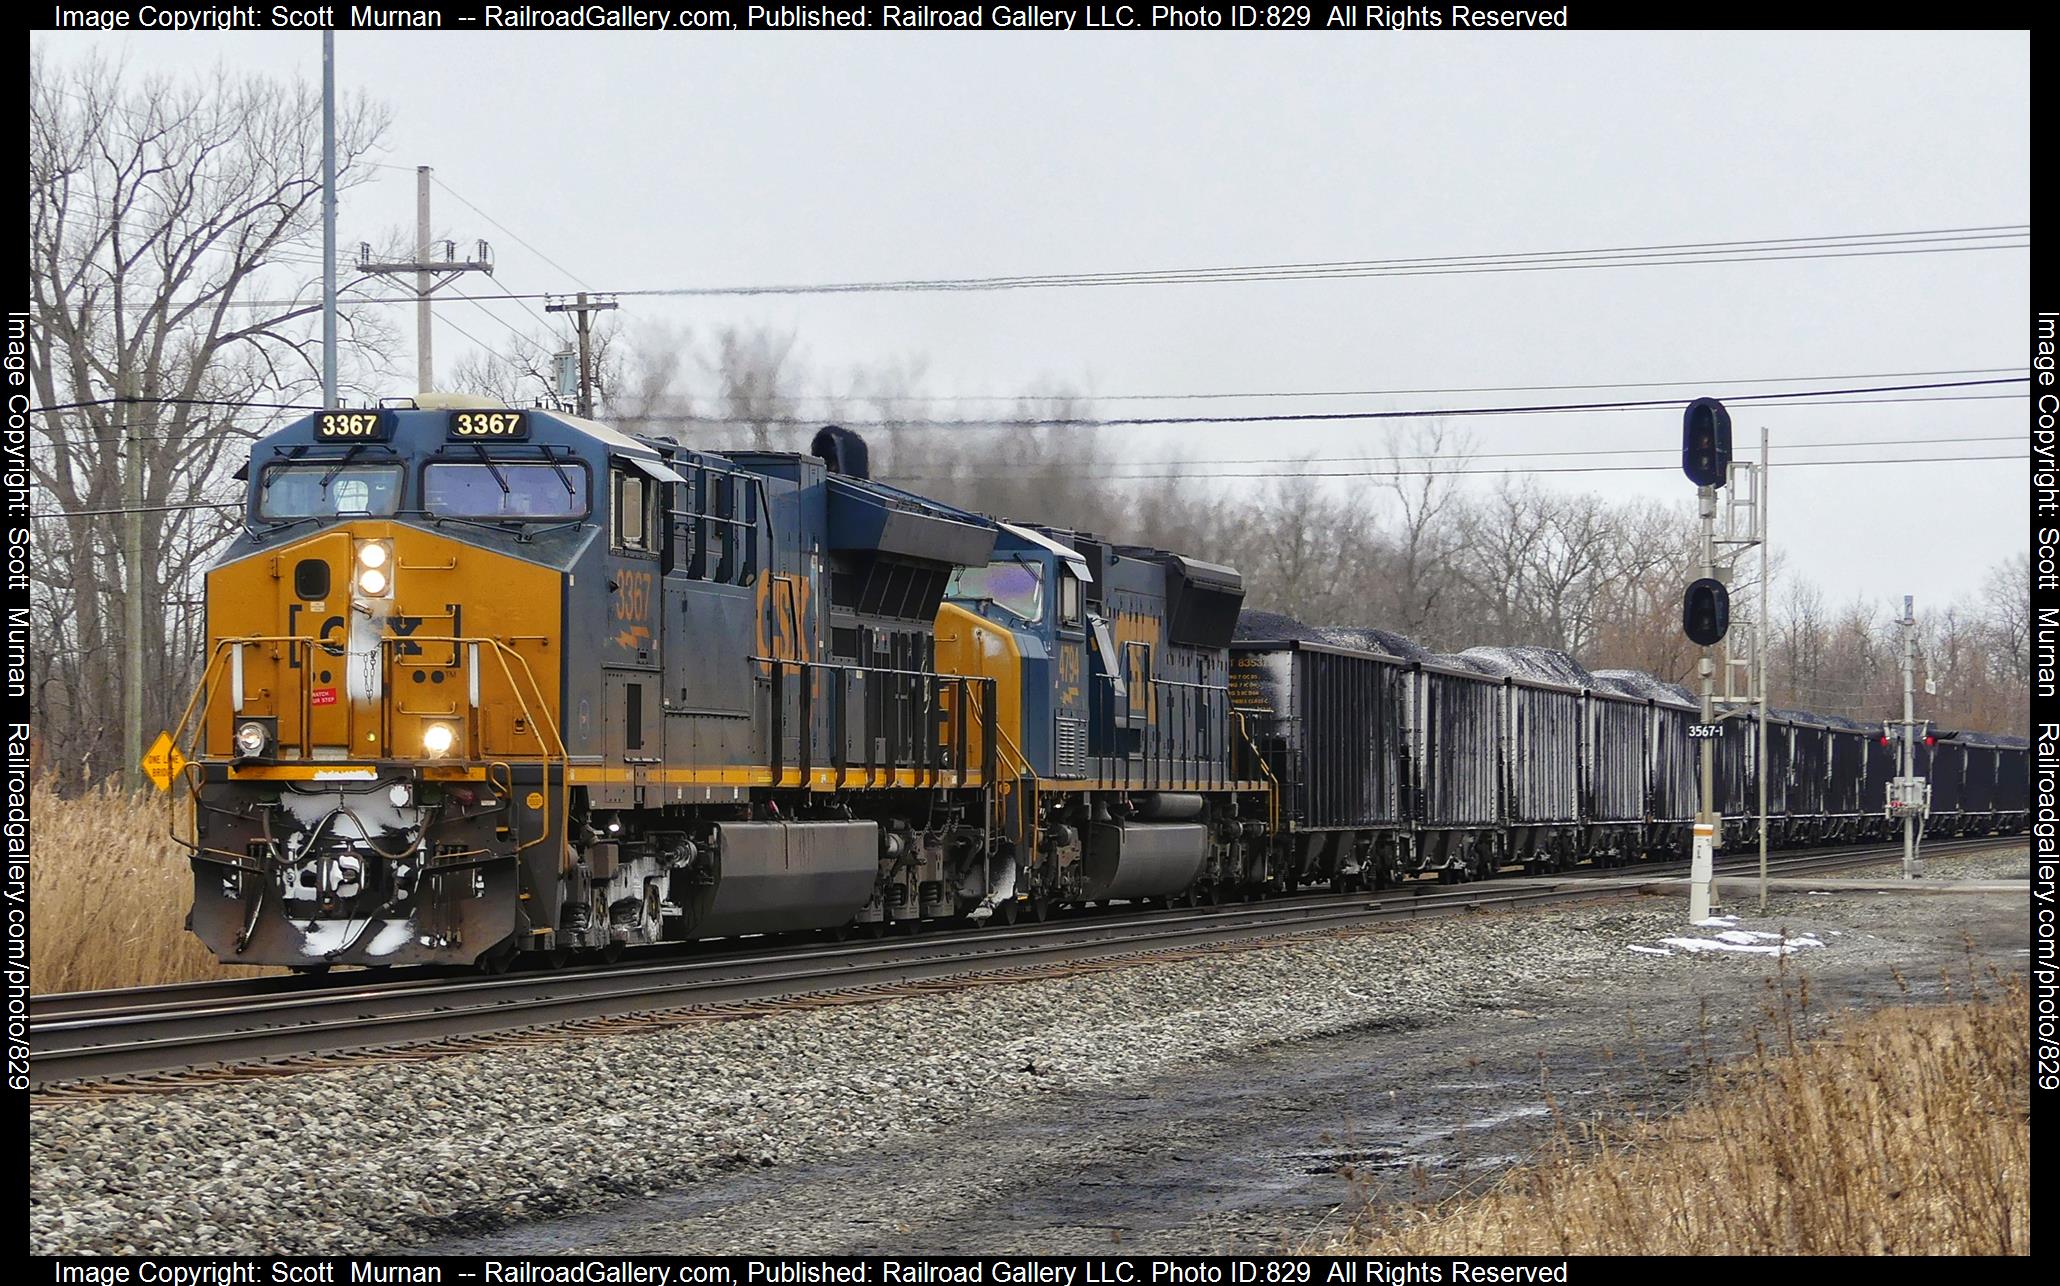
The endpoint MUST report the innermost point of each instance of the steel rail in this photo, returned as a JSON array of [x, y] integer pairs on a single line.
[[53, 1007], [165, 1035]]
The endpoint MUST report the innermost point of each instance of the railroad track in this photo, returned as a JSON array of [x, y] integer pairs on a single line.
[[174, 1037]]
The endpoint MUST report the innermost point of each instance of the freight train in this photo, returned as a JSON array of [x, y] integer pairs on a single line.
[[487, 685], [1392, 761]]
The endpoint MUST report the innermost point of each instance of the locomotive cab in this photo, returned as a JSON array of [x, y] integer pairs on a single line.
[[382, 731]]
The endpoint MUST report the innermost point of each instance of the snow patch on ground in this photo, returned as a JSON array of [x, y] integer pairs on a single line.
[[1729, 937]]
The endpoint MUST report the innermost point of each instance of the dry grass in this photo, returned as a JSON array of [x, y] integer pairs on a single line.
[[1906, 1131], [109, 894]]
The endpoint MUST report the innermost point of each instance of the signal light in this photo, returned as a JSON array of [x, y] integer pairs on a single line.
[[1706, 442], [1706, 611]]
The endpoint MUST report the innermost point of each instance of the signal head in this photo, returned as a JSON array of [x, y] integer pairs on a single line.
[[1706, 612], [1706, 442]]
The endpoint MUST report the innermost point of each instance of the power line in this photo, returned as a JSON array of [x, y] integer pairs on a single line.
[[1390, 392], [1447, 473], [1356, 473], [1464, 266], [1836, 246], [1532, 455], [510, 231], [1092, 422], [1761, 401]]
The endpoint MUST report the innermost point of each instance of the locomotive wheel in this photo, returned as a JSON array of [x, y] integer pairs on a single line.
[[557, 957], [1040, 907], [1006, 912], [612, 952]]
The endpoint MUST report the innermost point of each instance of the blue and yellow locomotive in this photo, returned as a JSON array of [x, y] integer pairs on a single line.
[[484, 683]]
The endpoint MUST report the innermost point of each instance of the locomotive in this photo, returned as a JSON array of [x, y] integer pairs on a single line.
[[486, 685]]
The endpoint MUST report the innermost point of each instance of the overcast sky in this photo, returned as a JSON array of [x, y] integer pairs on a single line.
[[681, 160]]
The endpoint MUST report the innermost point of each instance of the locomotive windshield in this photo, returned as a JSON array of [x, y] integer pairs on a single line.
[[324, 490], [1015, 587], [504, 489]]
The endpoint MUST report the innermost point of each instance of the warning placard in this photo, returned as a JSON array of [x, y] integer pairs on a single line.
[[163, 762]]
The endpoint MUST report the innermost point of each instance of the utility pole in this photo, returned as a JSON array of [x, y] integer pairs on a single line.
[[424, 268], [132, 604], [582, 312], [329, 218], [425, 320]]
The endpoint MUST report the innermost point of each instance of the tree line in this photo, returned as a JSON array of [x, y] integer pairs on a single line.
[[174, 272]]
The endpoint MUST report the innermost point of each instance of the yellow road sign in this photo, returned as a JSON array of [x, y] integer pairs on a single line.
[[163, 762]]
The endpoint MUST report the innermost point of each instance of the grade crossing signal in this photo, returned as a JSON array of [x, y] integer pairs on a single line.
[[1706, 442], [1706, 611]]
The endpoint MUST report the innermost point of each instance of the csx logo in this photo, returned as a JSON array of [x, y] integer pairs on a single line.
[[633, 596]]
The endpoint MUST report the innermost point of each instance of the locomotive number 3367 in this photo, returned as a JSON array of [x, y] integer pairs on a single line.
[[489, 424]]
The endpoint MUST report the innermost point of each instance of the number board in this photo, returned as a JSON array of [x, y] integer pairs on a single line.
[[1702, 731], [353, 426], [482, 426]]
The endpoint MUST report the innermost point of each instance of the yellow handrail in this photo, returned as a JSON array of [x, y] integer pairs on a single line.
[[501, 652], [1006, 749], [1272, 782]]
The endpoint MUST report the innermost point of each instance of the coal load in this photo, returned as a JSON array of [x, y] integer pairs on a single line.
[[1638, 683], [1542, 664], [1256, 625]]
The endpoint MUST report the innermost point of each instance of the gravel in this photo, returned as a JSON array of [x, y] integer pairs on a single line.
[[387, 1156]]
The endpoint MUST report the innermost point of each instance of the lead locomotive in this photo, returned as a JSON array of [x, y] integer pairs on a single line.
[[484, 682]]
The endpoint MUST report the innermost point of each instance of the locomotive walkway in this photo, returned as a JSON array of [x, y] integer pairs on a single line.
[[172, 1038]]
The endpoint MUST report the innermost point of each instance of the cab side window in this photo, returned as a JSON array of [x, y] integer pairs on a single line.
[[632, 511], [1069, 598]]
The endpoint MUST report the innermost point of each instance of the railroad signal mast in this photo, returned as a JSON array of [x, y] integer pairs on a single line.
[[1706, 620], [1910, 796]]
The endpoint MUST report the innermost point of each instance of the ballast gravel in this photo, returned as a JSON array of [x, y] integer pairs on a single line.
[[389, 1155]]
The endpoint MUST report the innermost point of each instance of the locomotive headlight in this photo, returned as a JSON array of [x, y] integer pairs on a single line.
[[438, 738], [372, 554], [252, 739], [372, 582]]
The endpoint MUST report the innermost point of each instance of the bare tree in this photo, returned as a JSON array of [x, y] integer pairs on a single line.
[[1423, 540], [162, 218]]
